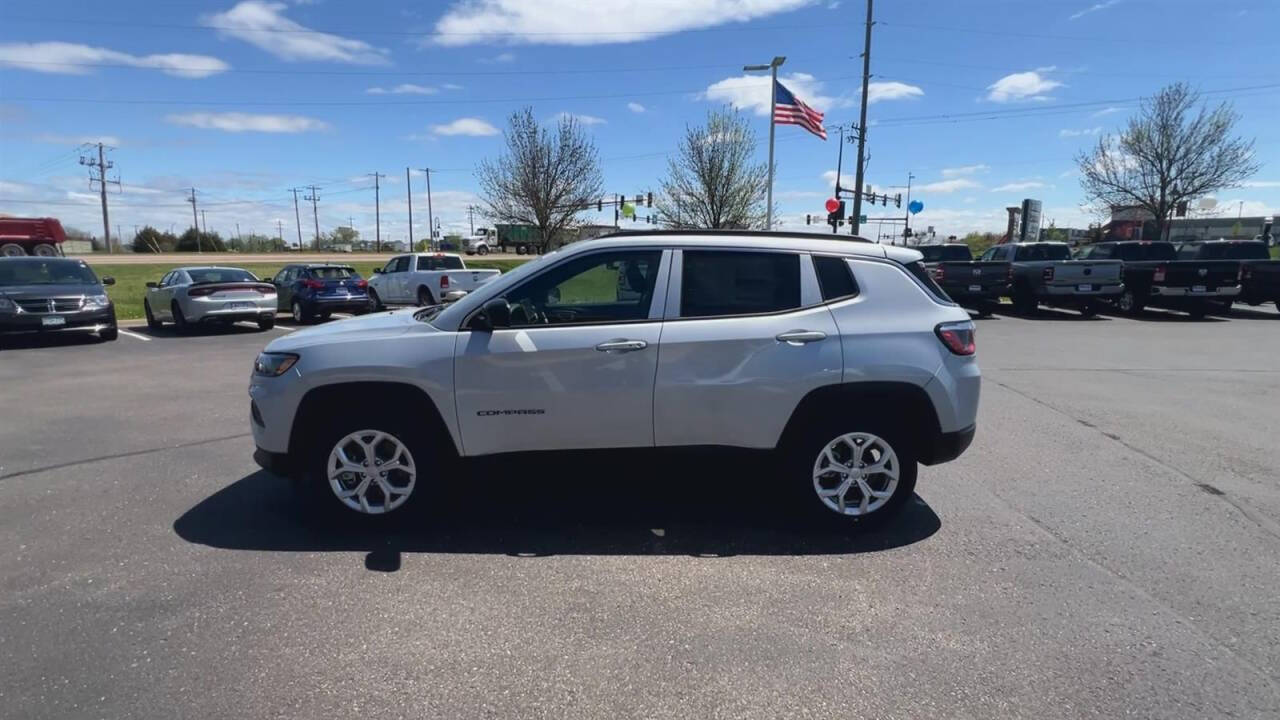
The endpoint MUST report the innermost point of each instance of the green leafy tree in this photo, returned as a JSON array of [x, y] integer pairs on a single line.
[[979, 242], [151, 240], [714, 180], [192, 241]]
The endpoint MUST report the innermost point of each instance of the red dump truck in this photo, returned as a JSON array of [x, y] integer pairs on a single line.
[[31, 236]]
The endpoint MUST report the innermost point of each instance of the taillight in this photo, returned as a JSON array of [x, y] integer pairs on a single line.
[[362, 283], [1048, 274], [444, 281], [939, 273], [1158, 276], [201, 292], [313, 284], [957, 336]]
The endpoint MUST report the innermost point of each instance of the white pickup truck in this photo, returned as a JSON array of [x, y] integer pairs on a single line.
[[425, 279]]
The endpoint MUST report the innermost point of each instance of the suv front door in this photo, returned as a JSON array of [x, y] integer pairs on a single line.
[[747, 336], [575, 369]]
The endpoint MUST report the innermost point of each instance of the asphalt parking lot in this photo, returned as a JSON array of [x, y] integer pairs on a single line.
[[1109, 547]]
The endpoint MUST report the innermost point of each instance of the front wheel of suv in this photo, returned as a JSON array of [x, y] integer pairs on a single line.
[[854, 472]]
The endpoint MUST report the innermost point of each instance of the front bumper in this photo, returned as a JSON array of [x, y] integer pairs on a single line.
[[947, 446], [1165, 291], [82, 320]]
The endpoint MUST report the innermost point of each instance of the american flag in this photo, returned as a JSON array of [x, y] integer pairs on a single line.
[[789, 110]]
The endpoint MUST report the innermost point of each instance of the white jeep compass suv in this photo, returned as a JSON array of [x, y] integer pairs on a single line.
[[842, 355]]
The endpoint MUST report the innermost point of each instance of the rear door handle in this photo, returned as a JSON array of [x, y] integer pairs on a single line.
[[800, 337], [622, 346]]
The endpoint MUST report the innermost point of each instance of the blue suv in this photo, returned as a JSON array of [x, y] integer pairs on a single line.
[[315, 291]]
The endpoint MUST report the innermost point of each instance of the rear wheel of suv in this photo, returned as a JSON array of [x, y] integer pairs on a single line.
[[301, 315], [852, 471], [369, 469]]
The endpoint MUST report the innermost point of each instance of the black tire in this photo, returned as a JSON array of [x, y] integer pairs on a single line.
[[1129, 303], [266, 322], [800, 459], [984, 308], [1088, 309], [301, 314], [12, 250], [108, 334], [424, 297], [152, 322], [44, 250], [520, 250], [427, 455], [179, 320], [377, 301], [482, 250], [1023, 301], [1198, 311]]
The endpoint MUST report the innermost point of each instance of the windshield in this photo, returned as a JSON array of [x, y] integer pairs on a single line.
[[494, 288], [1043, 251], [938, 253], [203, 276], [332, 273], [46, 272]]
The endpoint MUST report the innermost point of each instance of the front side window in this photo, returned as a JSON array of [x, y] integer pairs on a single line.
[[401, 264], [717, 283], [597, 288]]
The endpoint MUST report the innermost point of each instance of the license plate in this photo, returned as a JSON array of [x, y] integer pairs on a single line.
[[1197, 288], [53, 321], [975, 288], [1084, 288], [239, 306]]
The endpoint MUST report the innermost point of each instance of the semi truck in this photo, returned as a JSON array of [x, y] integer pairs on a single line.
[[42, 237]]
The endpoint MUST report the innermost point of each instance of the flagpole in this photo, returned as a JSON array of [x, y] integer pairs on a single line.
[[773, 105]]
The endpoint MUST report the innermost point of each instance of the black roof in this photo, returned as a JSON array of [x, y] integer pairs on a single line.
[[748, 233]]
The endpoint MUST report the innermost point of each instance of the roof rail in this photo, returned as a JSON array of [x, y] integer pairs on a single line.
[[748, 233]]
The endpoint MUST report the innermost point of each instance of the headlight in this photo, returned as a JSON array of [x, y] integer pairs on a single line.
[[7, 305], [96, 301], [274, 364]]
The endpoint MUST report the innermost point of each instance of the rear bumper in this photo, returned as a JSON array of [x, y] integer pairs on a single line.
[[341, 303], [1165, 291], [86, 321], [957, 291], [206, 310], [1070, 291], [947, 446]]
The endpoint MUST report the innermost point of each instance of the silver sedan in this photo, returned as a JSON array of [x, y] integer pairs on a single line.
[[188, 296]]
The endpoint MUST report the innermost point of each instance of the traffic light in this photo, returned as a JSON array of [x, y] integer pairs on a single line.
[[649, 200], [808, 219], [599, 206], [836, 218], [897, 200]]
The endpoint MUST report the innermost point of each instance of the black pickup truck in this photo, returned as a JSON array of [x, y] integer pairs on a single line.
[[1155, 276], [969, 282], [1259, 274]]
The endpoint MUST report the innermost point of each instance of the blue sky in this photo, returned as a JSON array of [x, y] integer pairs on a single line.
[[985, 102]]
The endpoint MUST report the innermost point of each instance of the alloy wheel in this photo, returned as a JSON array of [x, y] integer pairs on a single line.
[[856, 474], [371, 472]]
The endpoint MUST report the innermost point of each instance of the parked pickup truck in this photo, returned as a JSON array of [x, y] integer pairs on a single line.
[[969, 282], [1153, 275], [1259, 275], [425, 279], [1045, 274]]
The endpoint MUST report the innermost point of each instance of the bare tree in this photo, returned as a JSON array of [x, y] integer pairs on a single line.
[[1167, 155], [713, 182], [543, 179]]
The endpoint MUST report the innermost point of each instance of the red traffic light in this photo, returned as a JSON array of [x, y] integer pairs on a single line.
[[832, 205]]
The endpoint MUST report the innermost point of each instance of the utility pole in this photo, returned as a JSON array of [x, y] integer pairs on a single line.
[[377, 214], [772, 67], [906, 216], [408, 191], [195, 220], [280, 230], [297, 219], [204, 225], [314, 198], [862, 125], [471, 216], [237, 231], [431, 223], [102, 165]]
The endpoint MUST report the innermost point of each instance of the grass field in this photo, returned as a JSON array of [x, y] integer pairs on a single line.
[[131, 280]]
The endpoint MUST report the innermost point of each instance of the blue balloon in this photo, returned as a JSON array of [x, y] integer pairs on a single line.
[[915, 207]]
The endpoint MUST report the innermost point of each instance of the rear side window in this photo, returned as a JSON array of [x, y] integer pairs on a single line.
[[921, 273], [834, 278], [718, 283]]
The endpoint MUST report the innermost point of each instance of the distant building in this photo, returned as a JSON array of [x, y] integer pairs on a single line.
[[1135, 223], [1073, 236]]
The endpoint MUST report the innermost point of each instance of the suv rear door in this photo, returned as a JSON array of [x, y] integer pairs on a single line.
[[575, 369], [747, 336]]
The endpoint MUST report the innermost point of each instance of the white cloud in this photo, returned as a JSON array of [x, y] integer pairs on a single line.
[[878, 91], [1019, 186], [451, 86], [246, 122], [11, 188], [76, 59], [1093, 8], [1106, 111], [585, 22], [474, 127], [752, 92], [1030, 85], [56, 139], [582, 119], [263, 25], [503, 57], [964, 170], [403, 89], [1260, 183], [635, 107], [947, 186], [1066, 133]]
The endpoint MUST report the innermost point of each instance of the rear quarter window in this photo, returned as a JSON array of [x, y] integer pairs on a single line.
[[834, 278], [921, 273]]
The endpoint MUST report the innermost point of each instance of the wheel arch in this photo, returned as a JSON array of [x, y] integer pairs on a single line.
[[316, 406], [430, 293], [906, 404]]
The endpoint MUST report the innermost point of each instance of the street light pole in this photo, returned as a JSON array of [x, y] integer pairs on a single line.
[[772, 67]]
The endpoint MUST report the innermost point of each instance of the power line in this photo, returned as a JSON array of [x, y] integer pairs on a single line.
[[1039, 36], [388, 73]]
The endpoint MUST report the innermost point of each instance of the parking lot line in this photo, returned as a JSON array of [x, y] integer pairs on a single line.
[[285, 328], [143, 338]]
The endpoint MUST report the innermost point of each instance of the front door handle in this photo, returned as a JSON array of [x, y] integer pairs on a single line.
[[800, 337], [622, 346]]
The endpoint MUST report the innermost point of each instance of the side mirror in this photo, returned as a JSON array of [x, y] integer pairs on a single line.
[[108, 281], [377, 271], [152, 285], [495, 314]]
